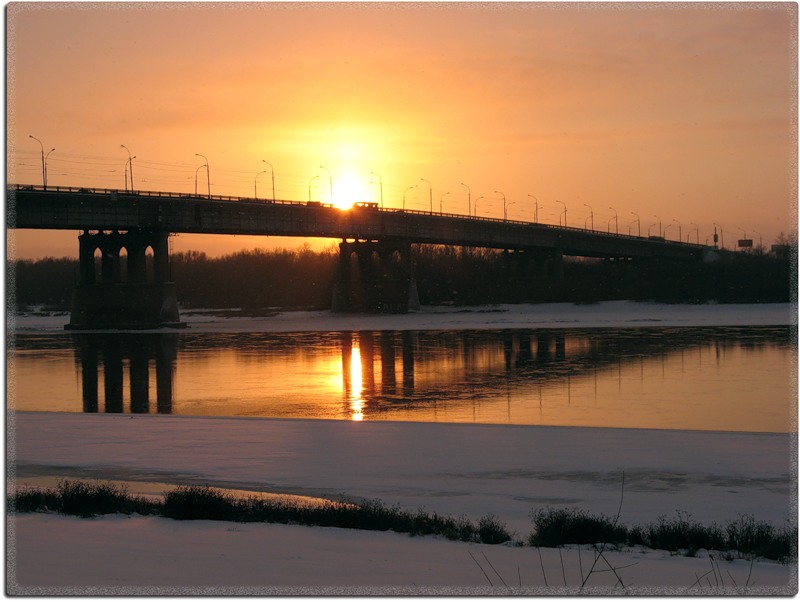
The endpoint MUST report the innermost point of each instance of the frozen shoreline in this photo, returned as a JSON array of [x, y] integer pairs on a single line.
[[452, 469], [609, 314], [447, 468]]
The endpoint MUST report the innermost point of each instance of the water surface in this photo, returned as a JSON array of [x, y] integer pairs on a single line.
[[727, 379]]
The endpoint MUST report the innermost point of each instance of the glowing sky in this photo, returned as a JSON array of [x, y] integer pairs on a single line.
[[680, 114]]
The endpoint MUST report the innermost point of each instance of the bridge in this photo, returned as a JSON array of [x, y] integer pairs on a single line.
[[374, 273]]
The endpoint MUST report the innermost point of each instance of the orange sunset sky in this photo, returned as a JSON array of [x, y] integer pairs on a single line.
[[681, 114]]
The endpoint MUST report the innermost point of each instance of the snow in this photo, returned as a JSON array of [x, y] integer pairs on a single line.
[[452, 469], [609, 314], [456, 469]]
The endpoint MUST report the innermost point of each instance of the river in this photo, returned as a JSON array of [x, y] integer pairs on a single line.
[[715, 378]]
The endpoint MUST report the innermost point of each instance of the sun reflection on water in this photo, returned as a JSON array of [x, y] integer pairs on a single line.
[[356, 383]]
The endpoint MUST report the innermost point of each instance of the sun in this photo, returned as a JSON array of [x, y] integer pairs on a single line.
[[348, 189]]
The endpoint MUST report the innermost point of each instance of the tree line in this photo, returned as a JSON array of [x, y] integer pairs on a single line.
[[304, 278]]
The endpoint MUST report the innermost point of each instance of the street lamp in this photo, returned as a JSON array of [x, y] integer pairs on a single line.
[[504, 203], [255, 184], [404, 195], [195, 178], [680, 231], [659, 225], [565, 213], [380, 181], [511, 203], [591, 217], [430, 193], [44, 169], [476, 205], [616, 221], [45, 165], [469, 198], [638, 224], [330, 180], [721, 236], [441, 200], [536, 209], [208, 174], [273, 178], [667, 227], [309, 187], [130, 162], [697, 231]]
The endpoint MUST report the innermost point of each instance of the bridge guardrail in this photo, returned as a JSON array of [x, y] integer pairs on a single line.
[[183, 195]]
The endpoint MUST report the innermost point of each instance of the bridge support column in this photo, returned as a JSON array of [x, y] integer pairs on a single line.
[[375, 276], [123, 291]]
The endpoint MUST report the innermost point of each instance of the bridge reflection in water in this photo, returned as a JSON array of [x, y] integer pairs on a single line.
[[704, 377], [109, 354]]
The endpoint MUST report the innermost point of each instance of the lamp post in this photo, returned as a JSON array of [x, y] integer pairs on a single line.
[[616, 221], [380, 181], [195, 178], [667, 227], [208, 173], [404, 195], [44, 168], [659, 225], [504, 203], [721, 236], [430, 193], [273, 178], [441, 200], [309, 187], [130, 162], [511, 203], [638, 224], [536, 209], [476, 205], [591, 217], [255, 184], [680, 230], [469, 198], [565, 213], [697, 231], [330, 180]]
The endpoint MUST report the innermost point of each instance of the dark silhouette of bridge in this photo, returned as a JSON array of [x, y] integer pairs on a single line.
[[375, 271]]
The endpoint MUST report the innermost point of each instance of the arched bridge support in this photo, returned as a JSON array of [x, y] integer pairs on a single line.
[[375, 276], [120, 286]]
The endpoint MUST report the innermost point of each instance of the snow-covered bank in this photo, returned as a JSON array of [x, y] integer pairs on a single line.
[[139, 555], [610, 314], [448, 468]]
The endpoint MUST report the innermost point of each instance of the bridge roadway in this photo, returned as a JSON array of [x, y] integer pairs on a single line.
[[103, 209]]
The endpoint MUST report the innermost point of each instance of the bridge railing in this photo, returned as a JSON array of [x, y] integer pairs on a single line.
[[182, 195]]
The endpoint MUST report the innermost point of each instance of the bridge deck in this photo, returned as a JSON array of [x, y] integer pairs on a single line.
[[103, 209]]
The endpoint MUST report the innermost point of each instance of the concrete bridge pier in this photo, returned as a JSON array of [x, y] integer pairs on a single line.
[[374, 277], [535, 271], [118, 287]]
